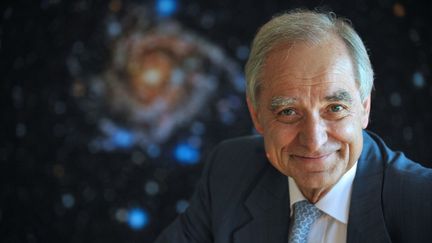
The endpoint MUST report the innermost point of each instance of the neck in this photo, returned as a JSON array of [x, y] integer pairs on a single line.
[[314, 195]]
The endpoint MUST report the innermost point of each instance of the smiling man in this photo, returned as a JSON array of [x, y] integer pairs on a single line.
[[314, 174], [311, 113]]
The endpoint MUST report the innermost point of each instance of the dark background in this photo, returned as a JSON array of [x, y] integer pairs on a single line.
[[55, 188]]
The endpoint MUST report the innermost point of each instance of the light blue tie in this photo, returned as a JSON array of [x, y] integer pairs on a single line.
[[305, 215]]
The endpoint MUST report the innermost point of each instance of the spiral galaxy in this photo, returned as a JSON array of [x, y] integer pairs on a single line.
[[159, 78]]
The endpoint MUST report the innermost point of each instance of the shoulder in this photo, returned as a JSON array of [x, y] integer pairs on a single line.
[[406, 192], [233, 168], [395, 163], [222, 188]]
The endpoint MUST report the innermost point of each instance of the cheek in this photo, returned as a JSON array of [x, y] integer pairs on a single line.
[[279, 135], [346, 131], [271, 133], [349, 134], [273, 141], [278, 138]]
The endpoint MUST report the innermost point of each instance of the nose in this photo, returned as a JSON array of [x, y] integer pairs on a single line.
[[313, 133]]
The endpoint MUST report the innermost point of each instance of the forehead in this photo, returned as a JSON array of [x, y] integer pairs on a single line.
[[326, 66]]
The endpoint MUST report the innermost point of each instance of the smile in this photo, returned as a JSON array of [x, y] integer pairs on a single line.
[[312, 158]]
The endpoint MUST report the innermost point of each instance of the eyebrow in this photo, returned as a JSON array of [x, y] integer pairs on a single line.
[[340, 95], [279, 101]]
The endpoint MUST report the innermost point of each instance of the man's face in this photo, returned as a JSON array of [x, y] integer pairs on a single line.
[[310, 113]]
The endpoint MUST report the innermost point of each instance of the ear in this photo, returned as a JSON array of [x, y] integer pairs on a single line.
[[254, 115], [366, 111]]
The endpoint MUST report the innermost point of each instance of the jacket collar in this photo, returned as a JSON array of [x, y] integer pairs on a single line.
[[366, 220]]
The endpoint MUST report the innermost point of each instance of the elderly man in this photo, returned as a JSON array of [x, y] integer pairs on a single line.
[[315, 174]]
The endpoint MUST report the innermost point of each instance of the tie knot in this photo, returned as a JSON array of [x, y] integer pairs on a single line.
[[307, 210]]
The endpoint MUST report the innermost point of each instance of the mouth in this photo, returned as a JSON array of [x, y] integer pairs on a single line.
[[312, 158]]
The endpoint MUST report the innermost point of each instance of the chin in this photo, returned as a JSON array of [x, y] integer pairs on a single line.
[[317, 180]]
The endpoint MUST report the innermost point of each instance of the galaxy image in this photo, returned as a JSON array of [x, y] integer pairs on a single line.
[[111, 107]]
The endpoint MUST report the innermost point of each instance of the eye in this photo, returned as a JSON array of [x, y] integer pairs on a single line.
[[336, 108], [288, 115], [336, 111], [287, 112]]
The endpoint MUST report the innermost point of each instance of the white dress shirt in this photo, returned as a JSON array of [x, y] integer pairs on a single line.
[[331, 227]]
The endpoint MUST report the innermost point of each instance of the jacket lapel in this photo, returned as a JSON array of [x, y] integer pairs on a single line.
[[268, 207], [366, 221]]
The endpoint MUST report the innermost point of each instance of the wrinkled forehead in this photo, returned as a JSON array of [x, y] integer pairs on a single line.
[[304, 64], [302, 57]]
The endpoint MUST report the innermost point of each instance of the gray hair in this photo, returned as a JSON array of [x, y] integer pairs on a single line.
[[309, 26]]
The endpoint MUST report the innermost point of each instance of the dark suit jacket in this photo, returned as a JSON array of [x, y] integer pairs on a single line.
[[242, 198]]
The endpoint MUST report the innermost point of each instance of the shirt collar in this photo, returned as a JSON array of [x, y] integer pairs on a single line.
[[336, 202]]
